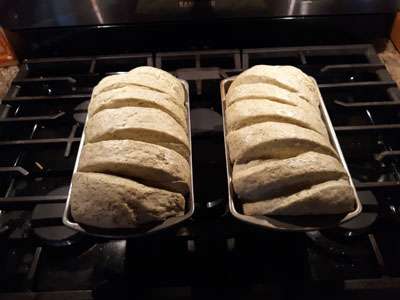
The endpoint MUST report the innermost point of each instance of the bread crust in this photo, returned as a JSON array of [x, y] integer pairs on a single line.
[[286, 77], [149, 80], [275, 140], [162, 76], [264, 179], [138, 123], [129, 96], [249, 112], [266, 91], [331, 197], [157, 166], [108, 201]]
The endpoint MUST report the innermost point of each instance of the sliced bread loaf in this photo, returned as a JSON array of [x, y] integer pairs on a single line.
[[138, 96], [249, 112], [138, 123], [275, 140], [263, 179], [108, 201], [148, 163], [331, 197]]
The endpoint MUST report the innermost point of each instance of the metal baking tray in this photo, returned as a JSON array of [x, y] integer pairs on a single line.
[[288, 223], [145, 229]]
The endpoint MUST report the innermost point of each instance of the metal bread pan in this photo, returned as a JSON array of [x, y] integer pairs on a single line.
[[142, 230]]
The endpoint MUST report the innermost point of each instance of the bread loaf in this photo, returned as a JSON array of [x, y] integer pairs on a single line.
[[249, 112], [134, 164], [275, 140], [286, 77], [264, 179], [140, 97], [331, 197], [108, 201], [140, 124], [283, 160], [152, 164]]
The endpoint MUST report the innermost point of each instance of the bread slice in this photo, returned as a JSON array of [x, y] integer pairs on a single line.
[[263, 179], [111, 82], [138, 96], [108, 201], [331, 197], [155, 165], [275, 140], [138, 123], [266, 91], [286, 77], [249, 112], [161, 75], [143, 80]]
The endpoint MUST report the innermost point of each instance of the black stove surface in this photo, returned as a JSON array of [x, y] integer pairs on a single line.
[[212, 255]]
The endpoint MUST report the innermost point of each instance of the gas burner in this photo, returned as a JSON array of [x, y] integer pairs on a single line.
[[348, 232], [205, 120], [14, 224], [47, 223], [363, 222], [80, 112], [330, 245], [338, 241]]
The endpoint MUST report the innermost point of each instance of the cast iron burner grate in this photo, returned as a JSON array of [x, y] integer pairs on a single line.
[[212, 255]]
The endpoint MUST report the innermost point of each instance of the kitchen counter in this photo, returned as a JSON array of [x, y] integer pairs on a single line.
[[386, 51], [7, 74], [391, 57]]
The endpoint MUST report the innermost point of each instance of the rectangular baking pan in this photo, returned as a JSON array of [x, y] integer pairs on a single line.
[[142, 230], [288, 223]]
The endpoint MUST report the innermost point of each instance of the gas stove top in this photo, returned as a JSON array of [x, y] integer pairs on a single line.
[[212, 255]]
